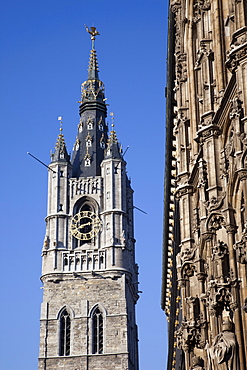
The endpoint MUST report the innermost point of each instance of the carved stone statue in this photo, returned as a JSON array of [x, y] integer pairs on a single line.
[[222, 355], [197, 363]]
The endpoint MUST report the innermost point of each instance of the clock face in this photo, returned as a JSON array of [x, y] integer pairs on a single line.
[[85, 225]]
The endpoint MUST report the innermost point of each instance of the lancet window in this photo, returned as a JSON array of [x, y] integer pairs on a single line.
[[97, 331], [65, 331]]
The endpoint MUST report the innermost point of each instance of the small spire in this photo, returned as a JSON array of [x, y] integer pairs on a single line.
[[93, 68], [113, 148], [113, 134], [93, 88], [60, 152], [93, 63], [60, 119]]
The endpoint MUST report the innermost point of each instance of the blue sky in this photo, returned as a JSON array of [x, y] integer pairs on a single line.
[[44, 59]]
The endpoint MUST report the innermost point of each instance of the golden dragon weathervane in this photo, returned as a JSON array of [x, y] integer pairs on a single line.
[[93, 32]]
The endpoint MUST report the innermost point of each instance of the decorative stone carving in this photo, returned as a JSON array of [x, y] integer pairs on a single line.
[[197, 363], [215, 222], [175, 5], [241, 247], [239, 37], [199, 6], [242, 173], [181, 67], [229, 148], [207, 236], [188, 270], [243, 138], [222, 355], [238, 48], [184, 190], [202, 173], [236, 108], [219, 250], [215, 203], [244, 308], [219, 296], [189, 335], [207, 132], [185, 255], [195, 220]]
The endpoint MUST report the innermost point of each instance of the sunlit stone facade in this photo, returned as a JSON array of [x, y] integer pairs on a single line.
[[204, 292]]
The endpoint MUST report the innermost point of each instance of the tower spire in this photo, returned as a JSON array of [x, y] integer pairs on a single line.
[[93, 63], [89, 148], [92, 89]]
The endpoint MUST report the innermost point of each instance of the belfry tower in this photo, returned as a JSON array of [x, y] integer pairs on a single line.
[[89, 272]]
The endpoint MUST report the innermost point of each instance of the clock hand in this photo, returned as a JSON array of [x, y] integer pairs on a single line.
[[88, 223]]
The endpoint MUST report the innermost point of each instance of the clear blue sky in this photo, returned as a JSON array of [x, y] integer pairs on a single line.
[[44, 59]]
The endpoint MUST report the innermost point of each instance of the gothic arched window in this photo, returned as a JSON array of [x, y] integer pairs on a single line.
[[97, 332], [65, 328], [90, 125]]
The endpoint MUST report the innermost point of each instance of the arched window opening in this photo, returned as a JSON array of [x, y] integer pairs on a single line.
[[86, 207], [90, 124], [97, 331], [65, 328]]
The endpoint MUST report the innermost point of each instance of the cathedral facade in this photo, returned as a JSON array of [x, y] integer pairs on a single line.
[[204, 290], [89, 274]]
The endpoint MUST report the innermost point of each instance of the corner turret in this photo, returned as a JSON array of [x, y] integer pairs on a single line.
[[113, 149], [60, 153]]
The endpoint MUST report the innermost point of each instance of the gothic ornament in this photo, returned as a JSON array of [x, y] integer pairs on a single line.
[[219, 296], [197, 363], [215, 203], [189, 335], [244, 308], [182, 67], [215, 222], [175, 5], [241, 247], [219, 250], [236, 108], [199, 6], [185, 254]]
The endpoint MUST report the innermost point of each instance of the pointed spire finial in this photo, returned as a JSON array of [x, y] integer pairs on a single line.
[[93, 32], [113, 136], [60, 119], [112, 118]]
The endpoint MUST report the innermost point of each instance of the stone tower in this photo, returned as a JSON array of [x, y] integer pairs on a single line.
[[205, 226], [89, 272]]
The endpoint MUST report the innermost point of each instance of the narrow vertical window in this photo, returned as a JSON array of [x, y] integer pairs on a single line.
[[97, 331], [65, 326]]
